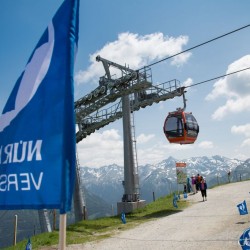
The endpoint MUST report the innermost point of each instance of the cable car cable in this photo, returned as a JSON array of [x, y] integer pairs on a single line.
[[211, 79], [231, 73], [181, 127], [199, 45]]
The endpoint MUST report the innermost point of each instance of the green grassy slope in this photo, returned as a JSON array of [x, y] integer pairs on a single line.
[[91, 230]]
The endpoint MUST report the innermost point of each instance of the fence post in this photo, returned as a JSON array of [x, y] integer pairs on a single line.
[[15, 230], [84, 213], [54, 219], [112, 210]]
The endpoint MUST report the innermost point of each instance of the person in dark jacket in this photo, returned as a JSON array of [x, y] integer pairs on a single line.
[[193, 181], [198, 182], [188, 185], [203, 188]]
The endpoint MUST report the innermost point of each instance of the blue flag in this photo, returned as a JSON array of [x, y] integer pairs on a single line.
[[28, 245], [37, 126], [244, 240], [242, 207], [175, 198], [123, 218]]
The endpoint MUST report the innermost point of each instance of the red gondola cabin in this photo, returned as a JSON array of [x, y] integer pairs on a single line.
[[181, 127]]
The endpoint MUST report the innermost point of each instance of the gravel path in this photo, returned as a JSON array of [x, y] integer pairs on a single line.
[[214, 224]]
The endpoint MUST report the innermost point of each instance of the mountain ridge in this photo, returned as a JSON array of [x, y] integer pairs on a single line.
[[160, 178], [102, 188]]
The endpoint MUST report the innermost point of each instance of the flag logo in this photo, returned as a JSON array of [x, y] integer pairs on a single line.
[[242, 207], [123, 218], [175, 198], [28, 245], [244, 240], [34, 73]]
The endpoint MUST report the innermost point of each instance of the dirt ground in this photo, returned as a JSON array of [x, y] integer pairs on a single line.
[[214, 224]]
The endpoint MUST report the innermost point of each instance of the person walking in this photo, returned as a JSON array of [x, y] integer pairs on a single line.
[[198, 182], [203, 188], [193, 181], [188, 185]]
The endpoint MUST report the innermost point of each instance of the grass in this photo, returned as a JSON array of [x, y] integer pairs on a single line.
[[92, 230]]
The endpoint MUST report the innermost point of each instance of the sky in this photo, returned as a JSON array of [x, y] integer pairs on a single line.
[[138, 33]]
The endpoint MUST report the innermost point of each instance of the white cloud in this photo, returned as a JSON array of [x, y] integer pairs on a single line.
[[235, 88], [136, 51], [206, 145], [246, 143], [156, 152], [188, 82], [241, 156], [220, 89], [142, 138], [152, 154], [180, 59], [100, 149], [242, 129], [233, 106]]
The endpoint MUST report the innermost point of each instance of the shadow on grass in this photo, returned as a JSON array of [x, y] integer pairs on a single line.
[[95, 225], [153, 215], [87, 227]]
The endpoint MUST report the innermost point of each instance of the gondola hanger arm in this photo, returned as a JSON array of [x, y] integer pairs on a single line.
[[183, 91]]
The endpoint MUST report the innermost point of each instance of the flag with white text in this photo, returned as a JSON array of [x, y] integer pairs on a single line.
[[123, 218], [37, 125], [244, 240], [28, 245], [242, 207], [175, 198]]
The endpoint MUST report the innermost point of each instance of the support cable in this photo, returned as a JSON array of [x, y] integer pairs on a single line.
[[217, 77], [199, 45]]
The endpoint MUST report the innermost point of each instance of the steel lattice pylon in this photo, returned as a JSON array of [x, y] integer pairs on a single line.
[[110, 101]]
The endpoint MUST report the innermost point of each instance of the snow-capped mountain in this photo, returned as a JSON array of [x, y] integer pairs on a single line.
[[103, 188], [106, 181]]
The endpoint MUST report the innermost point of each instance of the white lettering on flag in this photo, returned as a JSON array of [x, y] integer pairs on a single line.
[[22, 181], [21, 151]]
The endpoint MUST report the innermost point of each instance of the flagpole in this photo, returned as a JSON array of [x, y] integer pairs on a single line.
[[62, 232]]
